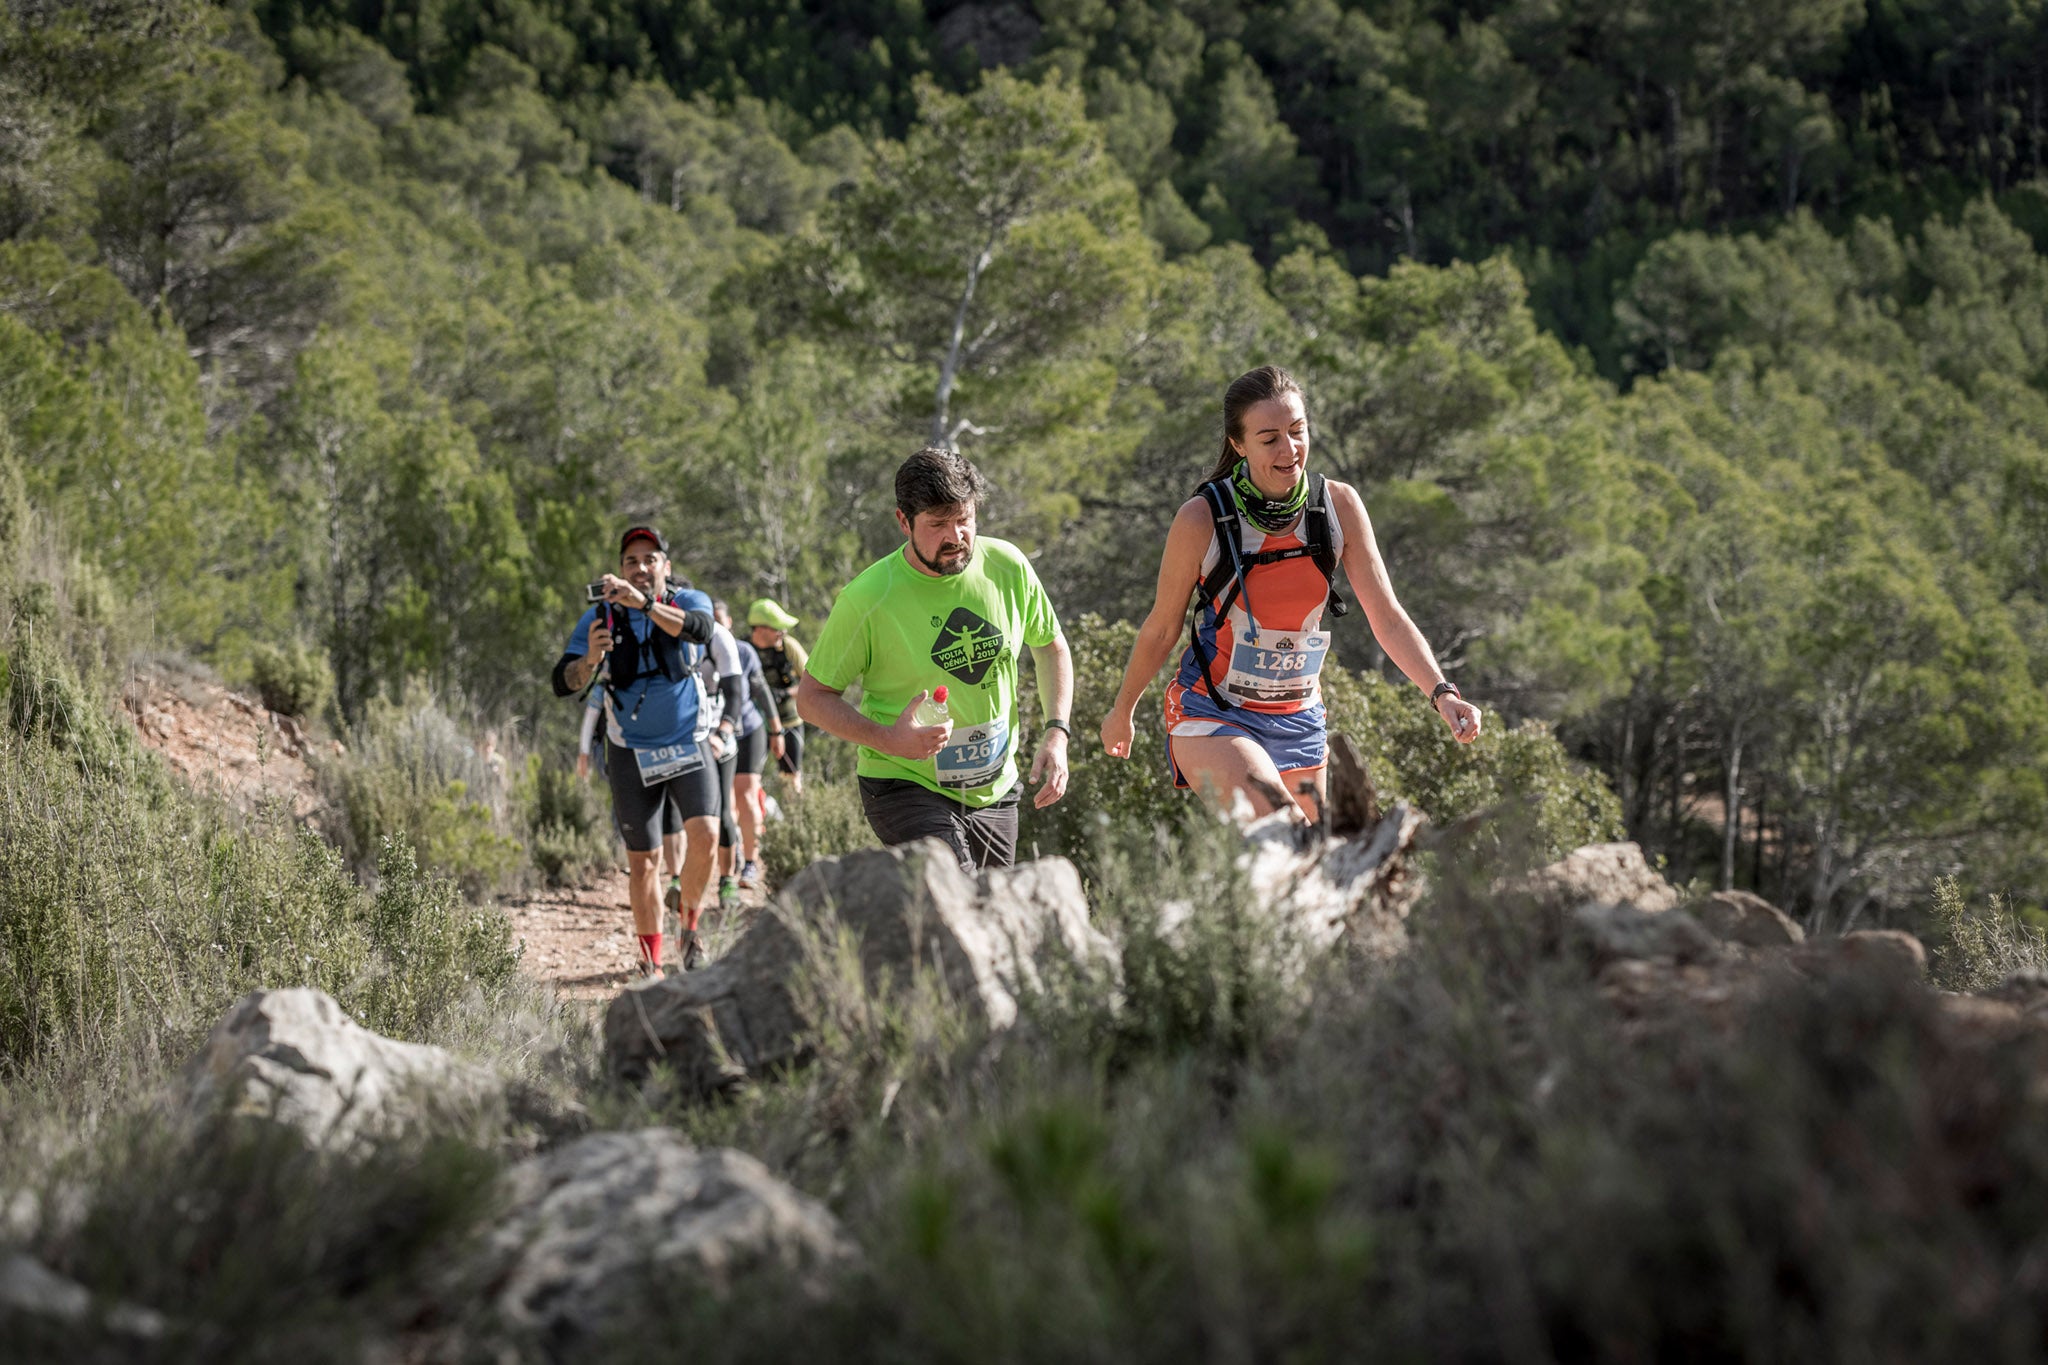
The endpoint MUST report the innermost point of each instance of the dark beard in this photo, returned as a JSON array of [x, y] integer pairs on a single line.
[[958, 566]]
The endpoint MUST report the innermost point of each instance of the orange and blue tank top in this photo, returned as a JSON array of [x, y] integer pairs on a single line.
[[1266, 653]]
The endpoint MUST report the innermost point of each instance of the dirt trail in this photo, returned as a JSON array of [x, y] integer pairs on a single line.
[[580, 939]]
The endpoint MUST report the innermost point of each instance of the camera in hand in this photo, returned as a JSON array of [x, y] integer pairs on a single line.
[[594, 592]]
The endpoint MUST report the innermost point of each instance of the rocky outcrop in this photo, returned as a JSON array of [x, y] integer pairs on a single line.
[[295, 1057], [593, 1224], [909, 909], [1609, 933], [1744, 918], [1892, 951], [1598, 874]]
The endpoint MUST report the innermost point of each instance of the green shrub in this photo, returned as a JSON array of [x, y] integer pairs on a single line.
[[1978, 949], [822, 823], [292, 680], [48, 697], [568, 831], [134, 907], [409, 770]]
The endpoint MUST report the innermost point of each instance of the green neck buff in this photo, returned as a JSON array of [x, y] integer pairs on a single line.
[[1271, 515]]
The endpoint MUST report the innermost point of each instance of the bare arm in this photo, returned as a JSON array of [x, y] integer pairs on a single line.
[[1053, 662], [1391, 624], [830, 711], [1180, 567]]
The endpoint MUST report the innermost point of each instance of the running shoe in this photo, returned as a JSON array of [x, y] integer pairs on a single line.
[[728, 893], [673, 897], [750, 873], [693, 950]]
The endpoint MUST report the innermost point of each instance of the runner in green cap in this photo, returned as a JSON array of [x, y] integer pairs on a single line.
[[782, 663]]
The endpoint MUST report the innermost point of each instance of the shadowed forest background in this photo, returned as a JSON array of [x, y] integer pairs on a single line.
[[1693, 359]]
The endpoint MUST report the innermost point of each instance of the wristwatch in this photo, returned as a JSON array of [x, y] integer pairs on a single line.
[[1062, 726], [1441, 689]]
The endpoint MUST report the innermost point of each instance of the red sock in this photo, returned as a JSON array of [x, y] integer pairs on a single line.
[[650, 948]]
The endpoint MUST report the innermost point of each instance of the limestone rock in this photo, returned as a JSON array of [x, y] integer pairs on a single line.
[[1741, 917], [611, 1216], [908, 907], [2026, 989], [294, 1056], [1888, 951], [1598, 874], [31, 1289], [1613, 932]]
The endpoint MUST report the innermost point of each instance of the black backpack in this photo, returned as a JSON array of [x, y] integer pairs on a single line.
[[1232, 564]]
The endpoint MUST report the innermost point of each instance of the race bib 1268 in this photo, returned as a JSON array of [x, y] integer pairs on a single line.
[[975, 757], [1275, 665]]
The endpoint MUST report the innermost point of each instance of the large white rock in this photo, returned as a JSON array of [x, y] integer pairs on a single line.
[[293, 1056], [595, 1224], [909, 908], [31, 1289], [1598, 874]]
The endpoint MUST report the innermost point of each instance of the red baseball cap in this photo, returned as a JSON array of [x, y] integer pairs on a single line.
[[643, 533]]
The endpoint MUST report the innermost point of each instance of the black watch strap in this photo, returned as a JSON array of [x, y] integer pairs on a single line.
[[1442, 688], [1061, 726]]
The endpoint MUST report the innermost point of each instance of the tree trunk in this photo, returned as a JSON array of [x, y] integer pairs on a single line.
[[1731, 806], [949, 372], [1756, 873], [1673, 153]]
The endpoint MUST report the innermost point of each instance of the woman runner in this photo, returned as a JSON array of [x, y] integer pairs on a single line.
[[1245, 711]]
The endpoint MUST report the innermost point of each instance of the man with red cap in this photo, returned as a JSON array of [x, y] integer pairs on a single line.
[[662, 779]]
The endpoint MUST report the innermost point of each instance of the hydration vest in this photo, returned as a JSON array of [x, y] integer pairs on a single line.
[[1224, 583]]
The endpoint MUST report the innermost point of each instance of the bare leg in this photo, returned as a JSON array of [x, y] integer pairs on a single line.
[[700, 837], [746, 798], [1218, 766], [643, 890], [672, 853]]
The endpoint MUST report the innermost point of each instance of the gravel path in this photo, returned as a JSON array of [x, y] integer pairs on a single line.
[[580, 939]]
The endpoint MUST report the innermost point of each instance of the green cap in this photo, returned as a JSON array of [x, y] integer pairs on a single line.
[[766, 611]]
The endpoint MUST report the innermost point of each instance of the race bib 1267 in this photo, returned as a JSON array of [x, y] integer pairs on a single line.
[[975, 757]]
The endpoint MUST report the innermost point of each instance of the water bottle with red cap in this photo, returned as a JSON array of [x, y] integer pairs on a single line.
[[932, 710]]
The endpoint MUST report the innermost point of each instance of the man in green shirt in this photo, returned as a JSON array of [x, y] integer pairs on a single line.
[[954, 610]]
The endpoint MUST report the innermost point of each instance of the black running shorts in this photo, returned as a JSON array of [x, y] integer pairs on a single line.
[[643, 813], [900, 811], [728, 823], [753, 755]]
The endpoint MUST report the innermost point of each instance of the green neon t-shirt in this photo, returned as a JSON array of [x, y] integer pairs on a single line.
[[900, 632]]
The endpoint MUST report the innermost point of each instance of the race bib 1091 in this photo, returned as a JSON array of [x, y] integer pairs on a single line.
[[673, 760]]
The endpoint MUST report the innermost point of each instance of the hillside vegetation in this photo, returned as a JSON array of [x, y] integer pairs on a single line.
[[1692, 361]]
